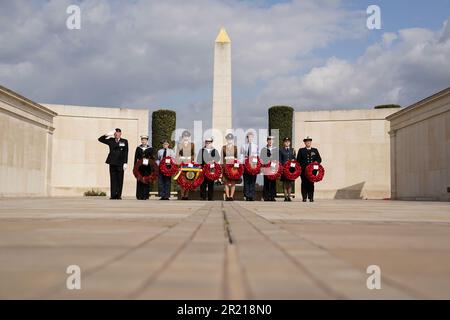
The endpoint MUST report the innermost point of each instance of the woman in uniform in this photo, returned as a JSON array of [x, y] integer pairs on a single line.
[[144, 151]]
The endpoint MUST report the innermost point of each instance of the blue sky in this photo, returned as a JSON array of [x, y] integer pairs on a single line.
[[310, 54]]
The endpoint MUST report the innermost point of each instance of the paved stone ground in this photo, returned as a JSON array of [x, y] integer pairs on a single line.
[[223, 250]]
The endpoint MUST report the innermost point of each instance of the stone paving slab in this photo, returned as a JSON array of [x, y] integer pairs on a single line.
[[223, 250]]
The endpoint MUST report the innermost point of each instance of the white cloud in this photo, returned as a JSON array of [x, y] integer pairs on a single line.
[[402, 68], [158, 53]]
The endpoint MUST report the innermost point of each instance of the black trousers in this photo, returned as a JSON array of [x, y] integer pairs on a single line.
[[207, 184], [164, 183], [269, 189], [116, 180], [249, 185], [307, 188], [142, 191]]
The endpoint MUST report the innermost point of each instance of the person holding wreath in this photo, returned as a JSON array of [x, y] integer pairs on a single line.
[[269, 153], [229, 156], [287, 153], [249, 149], [143, 152], [306, 156], [185, 154], [206, 156], [164, 182]]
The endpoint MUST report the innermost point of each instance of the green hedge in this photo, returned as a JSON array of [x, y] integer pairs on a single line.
[[163, 124], [281, 118]]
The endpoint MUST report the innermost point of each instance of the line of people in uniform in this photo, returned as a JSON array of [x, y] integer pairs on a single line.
[[185, 152]]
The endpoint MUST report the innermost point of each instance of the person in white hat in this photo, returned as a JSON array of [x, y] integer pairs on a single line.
[[206, 155], [143, 151], [305, 156]]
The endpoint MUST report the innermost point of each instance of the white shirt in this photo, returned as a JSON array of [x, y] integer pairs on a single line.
[[169, 153], [254, 150]]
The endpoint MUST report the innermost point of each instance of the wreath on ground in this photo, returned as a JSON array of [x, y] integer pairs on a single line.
[[234, 171], [314, 172], [291, 170], [212, 171], [252, 165], [190, 176], [273, 170], [168, 166], [143, 164]]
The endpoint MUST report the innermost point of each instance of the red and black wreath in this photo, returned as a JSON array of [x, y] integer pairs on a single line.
[[314, 172], [168, 167], [212, 171], [273, 170], [291, 170], [252, 165], [190, 176], [234, 171], [142, 165]]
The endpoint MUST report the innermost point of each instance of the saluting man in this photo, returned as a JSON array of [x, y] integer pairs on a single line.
[[306, 156], [117, 160]]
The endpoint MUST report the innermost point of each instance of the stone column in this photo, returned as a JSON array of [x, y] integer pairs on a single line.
[[221, 114]]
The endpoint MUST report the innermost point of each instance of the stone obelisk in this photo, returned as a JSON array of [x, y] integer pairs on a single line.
[[221, 113]]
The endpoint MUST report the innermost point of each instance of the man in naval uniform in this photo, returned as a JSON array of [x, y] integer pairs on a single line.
[[117, 160], [269, 153], [247, 150], [206, 155], [305, 156]]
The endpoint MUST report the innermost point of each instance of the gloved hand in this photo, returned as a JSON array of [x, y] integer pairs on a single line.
[[110, 133], [125, 166]]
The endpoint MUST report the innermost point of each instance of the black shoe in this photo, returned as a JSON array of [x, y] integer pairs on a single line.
[[304, 200], [162, 198], [289, 199], [311, 200], [231, 199], [286, 199], [251, 199]]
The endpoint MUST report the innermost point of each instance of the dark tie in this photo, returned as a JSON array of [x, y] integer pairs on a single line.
[[164, 153], [249, 150]]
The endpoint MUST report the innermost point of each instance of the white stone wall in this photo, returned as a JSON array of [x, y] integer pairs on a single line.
[[420, 161], [79, 159], [25, 146], [355, 148]]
